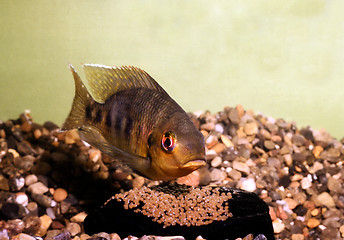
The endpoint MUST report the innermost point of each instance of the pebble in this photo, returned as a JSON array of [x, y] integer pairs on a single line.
[[79, 218], [32, 207], [234, 174], [60, 194], [226, 141], [247, 184], [217, 175], [313, 223], [16, 183], [216, 162], [341, 229], [23, 236], [72, 136], [218, 148], [306, 183], [278, 226], [242, 167], [138, 182], [291, 203], [45, 224], [43, 200], [297, 236], [25, 162], [38, 188], [334, 185], [52, 233], [73, 228], [251, 128], [30, 179], [325, 199], [22, 199]]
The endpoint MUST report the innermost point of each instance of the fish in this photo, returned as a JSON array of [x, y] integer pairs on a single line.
[[127, 115]]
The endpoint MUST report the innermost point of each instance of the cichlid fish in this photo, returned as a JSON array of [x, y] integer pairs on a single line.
[[130, 117]]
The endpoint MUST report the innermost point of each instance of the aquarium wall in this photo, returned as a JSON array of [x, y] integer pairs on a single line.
[[283, 59]]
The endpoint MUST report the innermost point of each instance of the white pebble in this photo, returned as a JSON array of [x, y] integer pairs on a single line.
[[38, 188], [219, 128], [20, 183], [22, 199], [248, 184], [50, 213], [216, 162], [306, 183], [30, 179]]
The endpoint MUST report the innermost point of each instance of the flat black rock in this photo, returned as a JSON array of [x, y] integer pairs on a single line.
[[250, 216]]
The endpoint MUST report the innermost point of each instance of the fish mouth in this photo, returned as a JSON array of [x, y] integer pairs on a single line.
[[195, 163]]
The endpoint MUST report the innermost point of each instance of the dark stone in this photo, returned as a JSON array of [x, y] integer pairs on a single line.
[[63, 236], [50, 126], [24, 148], [250, 216], [284, 181], [300, 210], [11, 211]]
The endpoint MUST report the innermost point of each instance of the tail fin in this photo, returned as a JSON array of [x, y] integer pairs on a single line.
[[77, 114]]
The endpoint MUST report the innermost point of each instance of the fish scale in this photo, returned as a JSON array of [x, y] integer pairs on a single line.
[[130, 117]]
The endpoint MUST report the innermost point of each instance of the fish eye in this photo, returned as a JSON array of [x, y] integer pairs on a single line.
[[168, 141]]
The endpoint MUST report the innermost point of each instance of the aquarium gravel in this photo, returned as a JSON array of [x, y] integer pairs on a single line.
[[50, 180]]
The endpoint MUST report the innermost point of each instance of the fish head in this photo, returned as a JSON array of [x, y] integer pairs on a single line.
[[176, 148]]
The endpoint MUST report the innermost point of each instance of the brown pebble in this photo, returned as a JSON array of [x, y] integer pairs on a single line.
[[80, 217], [234, 174], [45, 224], [317, 150], [278, 226], [313, 223], [242, 167], [297, 236], [325, 199], [23, 236], [138, 182], [114, 236], [218, 148], [37, 133], [60, 194], [38, 188], [26, 127], [315, 212], [226, 141], [251, 128], [72, 136], [269, 144], [291, 203], [216, 161], [341, 229], [73, 228]]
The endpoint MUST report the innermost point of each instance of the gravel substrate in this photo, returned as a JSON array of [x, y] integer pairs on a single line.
[[49, 181]]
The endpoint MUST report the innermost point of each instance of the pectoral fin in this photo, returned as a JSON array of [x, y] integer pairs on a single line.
[[92, 136]]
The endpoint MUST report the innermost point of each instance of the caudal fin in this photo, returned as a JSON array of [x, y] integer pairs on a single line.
[[77, 114]]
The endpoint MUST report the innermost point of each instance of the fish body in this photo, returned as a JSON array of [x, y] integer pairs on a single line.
[[130, 117]]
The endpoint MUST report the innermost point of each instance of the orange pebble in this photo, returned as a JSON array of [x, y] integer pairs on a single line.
[[60, 194]]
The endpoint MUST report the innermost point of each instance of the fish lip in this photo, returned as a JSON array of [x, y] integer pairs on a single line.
[[195, 163]]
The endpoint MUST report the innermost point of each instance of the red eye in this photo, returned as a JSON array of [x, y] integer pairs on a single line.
[[168, 141]]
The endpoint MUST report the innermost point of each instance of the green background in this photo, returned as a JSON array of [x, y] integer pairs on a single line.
[[284, 59]]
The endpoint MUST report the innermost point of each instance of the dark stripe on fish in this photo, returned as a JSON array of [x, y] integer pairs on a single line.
[[98, 116], [108, 119], [128, 126], [88, 112], [118, 118]]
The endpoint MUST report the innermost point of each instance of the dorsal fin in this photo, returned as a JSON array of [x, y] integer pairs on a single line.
[[104, 81]]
